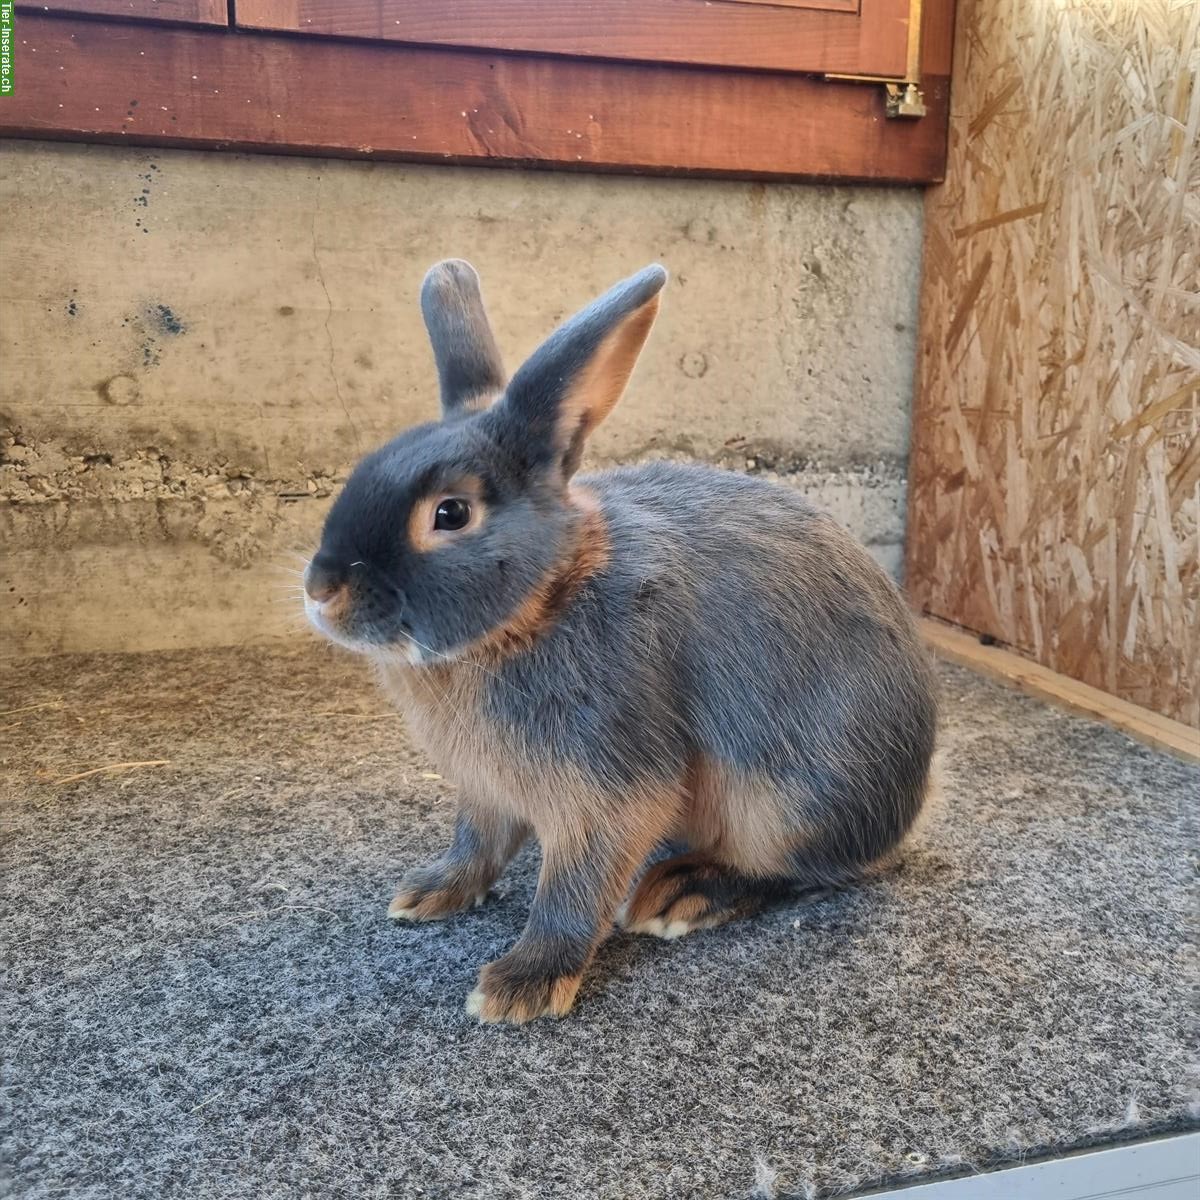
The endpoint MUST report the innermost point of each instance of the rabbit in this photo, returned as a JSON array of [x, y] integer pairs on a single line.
[[619, 661]]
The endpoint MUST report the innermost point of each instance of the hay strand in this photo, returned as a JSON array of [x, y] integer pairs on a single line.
[[108, 768]]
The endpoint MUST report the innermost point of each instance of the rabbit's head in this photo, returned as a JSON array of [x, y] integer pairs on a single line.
[[439, 537]]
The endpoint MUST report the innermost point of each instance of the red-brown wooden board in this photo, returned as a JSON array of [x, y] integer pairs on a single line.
[[77, 79], [869, 37], [191, 12]]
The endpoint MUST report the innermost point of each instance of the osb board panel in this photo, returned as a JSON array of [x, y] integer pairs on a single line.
[[1056, 463]]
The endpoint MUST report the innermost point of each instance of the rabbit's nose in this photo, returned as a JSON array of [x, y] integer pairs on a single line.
[[321, 590], [321, 581], [331, 597], [334, 605]]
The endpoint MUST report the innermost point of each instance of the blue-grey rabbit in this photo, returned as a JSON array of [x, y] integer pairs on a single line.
[[615, 661]]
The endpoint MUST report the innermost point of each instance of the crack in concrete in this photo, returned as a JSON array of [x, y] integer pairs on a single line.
[[337, 387]]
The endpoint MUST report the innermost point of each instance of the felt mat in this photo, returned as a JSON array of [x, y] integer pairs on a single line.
[[203, 997]]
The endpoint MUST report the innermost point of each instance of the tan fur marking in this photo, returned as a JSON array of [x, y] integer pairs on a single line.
[[421, 534], [494, 1000], [563, 993], [740, 821], [556, 589], [595, 390], [662, 905], [652, 897], [550, 997], [432, 905], [687, 909]]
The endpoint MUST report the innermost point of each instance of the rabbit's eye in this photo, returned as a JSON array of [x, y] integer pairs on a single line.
[[452, 514]]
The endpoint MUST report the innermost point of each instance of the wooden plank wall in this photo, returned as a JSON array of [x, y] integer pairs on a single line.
[[1055, 487], [237, 89]]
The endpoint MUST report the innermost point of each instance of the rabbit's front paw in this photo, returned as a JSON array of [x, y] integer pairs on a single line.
[[516, 988], [427, 894]]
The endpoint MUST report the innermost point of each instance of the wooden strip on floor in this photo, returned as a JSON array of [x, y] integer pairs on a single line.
[[959, 646]]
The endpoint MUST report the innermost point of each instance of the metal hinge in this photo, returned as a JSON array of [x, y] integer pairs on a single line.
[[903, 97], [900, 99], [904, 100]]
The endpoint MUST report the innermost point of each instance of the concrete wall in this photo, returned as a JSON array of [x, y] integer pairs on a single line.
[[196, 347]]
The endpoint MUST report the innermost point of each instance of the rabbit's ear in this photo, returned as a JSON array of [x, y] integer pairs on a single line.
[[578, 374], [470, 372]]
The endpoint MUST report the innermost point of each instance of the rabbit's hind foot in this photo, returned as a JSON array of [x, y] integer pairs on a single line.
[[694, 891]]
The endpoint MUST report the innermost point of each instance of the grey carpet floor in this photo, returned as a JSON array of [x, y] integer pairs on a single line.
[[203, 998]]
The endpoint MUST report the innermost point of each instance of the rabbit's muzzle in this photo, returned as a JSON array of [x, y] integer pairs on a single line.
[[329, 608], [351, 609], [327, 599]]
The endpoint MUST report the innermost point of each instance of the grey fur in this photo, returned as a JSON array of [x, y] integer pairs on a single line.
[[469, 365], [477, 854], [536, 393], [790, 657], [445, 600], [732, 627]]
